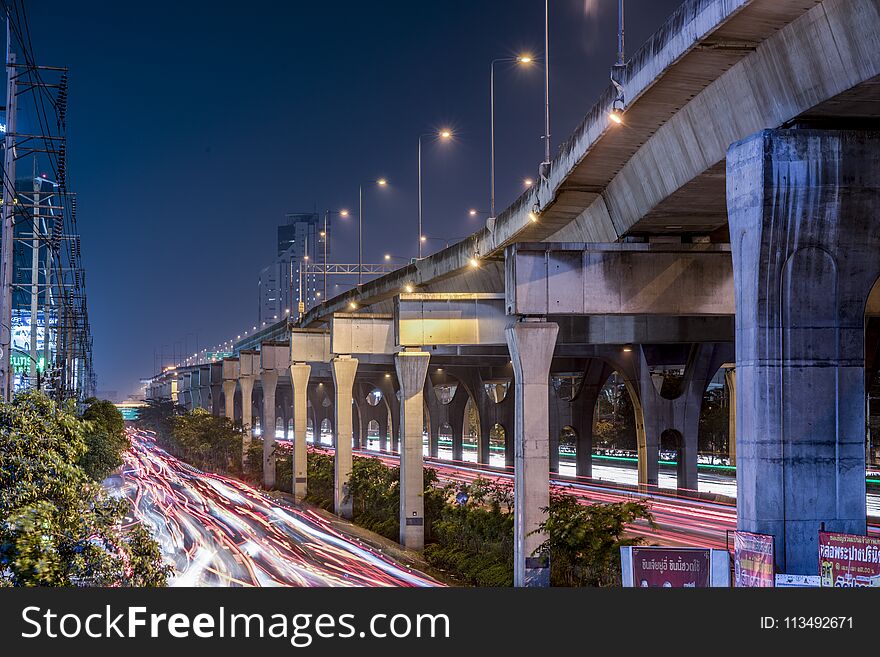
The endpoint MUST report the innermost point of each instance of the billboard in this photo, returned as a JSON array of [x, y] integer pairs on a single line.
[[670, 567], [21, 330], [848, 560], [753, 560]]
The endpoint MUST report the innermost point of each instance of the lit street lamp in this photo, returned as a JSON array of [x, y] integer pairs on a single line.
[[325, 235], [445, 135], [381, 182], [522, 59]]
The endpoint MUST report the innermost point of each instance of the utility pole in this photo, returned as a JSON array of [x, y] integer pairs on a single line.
[[35, 276], [6, 237]]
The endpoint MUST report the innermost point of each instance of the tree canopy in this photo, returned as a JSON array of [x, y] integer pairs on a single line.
[[58, 527]]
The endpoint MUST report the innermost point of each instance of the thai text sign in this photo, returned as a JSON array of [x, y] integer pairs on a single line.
[[753, 564], [847, 560], [671, 567]]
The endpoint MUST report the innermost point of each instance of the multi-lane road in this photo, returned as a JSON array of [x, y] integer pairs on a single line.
[[219, 531]]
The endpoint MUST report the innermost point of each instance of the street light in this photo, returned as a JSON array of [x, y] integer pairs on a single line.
[[546, 168], [325, 235], [381, 182], [521, 59], [446, 135], [528, 182]]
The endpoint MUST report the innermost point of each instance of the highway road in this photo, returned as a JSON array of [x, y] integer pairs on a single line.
[[217, 531], [681, 519]]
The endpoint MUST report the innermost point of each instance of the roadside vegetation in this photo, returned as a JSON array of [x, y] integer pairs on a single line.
[[58, 526], [468, 528]]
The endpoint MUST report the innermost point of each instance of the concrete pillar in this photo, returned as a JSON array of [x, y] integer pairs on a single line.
[[389, 394], [229, 398], [344, 370], [412, 366], [205, 387], [299, 379], [680, 415], [595, 377], [246, 383], [730, 381], [803, 208], [531, 346], [269, 379], [186, 391], [457, 420], [436, 412]]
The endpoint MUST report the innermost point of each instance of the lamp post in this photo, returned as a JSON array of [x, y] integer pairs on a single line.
[[546, 170], [325, 235], [521, 59], [381, 182], [445, 135]]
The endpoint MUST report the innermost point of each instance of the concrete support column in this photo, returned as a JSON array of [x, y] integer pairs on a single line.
[[412, 366], [436, 412], [595, 377], [457, 420], [229, 398], [531, 346], [730, 381], [299, 379], [680, 415], [269, 379], [344, 370], [186, 391], [215, 399], [803, 207], [247, 408], [389, 396]]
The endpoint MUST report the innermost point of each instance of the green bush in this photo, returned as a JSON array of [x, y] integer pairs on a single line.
[[320, 470], [584, 540], [104, 437], [207, 442], [58, 527]]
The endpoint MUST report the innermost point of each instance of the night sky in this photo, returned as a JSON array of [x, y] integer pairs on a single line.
[[195, 126]]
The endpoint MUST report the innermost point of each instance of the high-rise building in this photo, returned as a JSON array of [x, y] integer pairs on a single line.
[[300, 241]]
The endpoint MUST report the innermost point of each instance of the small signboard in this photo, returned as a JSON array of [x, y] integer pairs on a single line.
[[753, 560], [784, 580], [849, 560], [666, 567]]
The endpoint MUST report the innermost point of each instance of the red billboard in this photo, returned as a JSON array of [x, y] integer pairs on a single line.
[[753, 563], [671, 567], [847, 560]]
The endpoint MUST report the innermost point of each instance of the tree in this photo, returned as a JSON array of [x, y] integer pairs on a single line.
[[584, 540], [208, 442], [157, 415], [58, 527], [105, 439]]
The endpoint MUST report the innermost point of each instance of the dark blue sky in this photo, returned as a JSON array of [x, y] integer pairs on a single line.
[[194, 126]]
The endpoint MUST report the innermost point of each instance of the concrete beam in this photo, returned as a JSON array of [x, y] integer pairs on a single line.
[[618, 279], [450, 319], [309, 346], [352, 333]]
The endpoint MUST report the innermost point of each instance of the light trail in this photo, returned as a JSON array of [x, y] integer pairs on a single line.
[[217, 531], [682, 518]]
